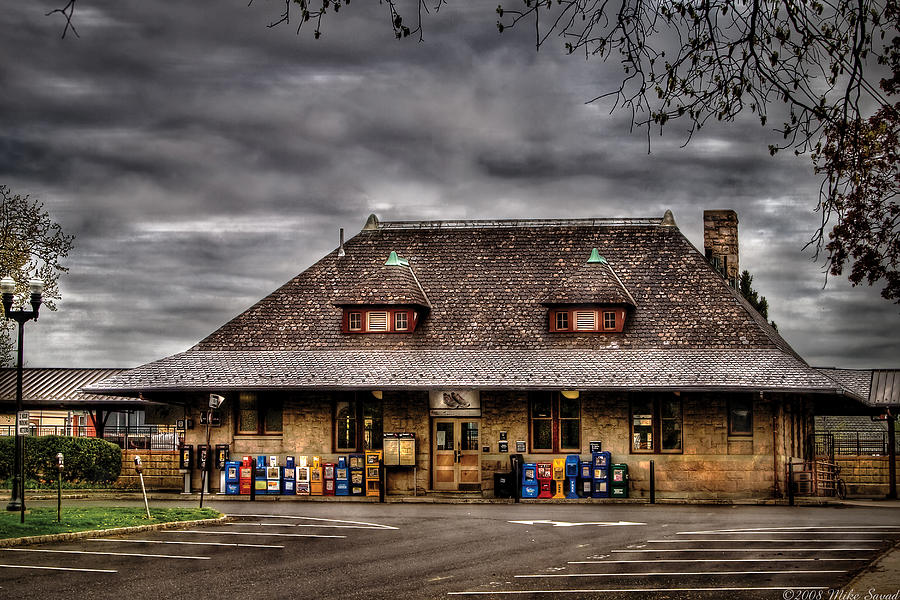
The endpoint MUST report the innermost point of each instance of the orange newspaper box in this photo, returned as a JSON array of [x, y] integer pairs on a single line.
[[373, 472], [316, 485]]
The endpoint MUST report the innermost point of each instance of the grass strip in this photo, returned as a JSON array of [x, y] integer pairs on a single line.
[[42, 520]]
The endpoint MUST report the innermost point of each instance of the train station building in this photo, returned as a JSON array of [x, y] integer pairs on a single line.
[[485, 339]]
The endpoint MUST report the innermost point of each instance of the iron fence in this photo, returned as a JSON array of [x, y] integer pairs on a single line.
[[163, 438], [853, 443]]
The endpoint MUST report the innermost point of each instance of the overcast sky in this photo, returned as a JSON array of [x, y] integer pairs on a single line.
[[202, 159]]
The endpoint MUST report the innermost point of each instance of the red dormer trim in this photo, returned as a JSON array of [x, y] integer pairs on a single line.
[[370, 319], [587, 319]]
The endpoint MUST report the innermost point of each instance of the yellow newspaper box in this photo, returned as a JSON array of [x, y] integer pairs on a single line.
[[559, 478]]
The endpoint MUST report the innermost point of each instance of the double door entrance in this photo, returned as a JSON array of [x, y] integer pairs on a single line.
[[456, 451]]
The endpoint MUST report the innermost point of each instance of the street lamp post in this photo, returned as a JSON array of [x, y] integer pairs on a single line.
[[20, 316]]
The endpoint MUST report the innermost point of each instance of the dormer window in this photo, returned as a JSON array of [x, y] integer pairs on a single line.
[[380, 320], [592, 299], [388, 300], [587, 319]]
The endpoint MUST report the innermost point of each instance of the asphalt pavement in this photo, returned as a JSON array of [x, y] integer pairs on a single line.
[[365, 550]]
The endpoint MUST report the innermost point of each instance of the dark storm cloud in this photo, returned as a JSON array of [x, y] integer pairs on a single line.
[[203, 159]]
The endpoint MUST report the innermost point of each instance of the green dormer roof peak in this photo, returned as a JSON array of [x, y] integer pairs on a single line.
[[596, 258], [395, 261]]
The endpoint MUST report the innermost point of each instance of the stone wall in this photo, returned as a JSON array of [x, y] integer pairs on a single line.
[[160, 471], [712, 464], [865, 475]]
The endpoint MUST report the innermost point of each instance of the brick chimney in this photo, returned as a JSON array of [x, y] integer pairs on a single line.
[[720, 242]]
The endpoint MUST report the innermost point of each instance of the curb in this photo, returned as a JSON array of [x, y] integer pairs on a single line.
[[92, 533]]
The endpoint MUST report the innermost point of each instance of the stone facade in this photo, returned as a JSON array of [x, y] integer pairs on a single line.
[[712, 464]]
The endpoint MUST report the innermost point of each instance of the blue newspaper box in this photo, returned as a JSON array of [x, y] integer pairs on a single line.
[[288, 481], [357, 466], [289, 461], [232, 478], [600, 488], [342, 477], [529, 480], [585, 478], [601, 459], [573, 466], [259, 475]]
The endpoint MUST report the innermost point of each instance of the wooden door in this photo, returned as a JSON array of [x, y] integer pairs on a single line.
[[457, 454]]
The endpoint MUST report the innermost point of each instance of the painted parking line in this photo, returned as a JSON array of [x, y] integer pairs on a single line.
[[105, 553], [186, 543], [782, 541], [824, 528], [675, 573], [303, 535], [631, 590], [299, 525], [324, 522], [869, 549], [710, 560], [43, 568]]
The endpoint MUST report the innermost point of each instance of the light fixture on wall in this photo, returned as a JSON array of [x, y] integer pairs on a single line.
[[378, 394], [571, 394]]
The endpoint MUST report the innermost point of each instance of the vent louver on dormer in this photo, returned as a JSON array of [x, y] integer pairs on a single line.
[[585, 320]]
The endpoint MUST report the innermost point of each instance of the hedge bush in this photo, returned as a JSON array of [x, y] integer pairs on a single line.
[[85, 459]]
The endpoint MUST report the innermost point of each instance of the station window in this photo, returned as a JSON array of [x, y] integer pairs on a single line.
[[555, 423], [259, 414], [358, 423], [740, 415], [656, 424]]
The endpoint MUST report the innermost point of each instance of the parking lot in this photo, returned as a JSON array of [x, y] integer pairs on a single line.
[[346, 550]]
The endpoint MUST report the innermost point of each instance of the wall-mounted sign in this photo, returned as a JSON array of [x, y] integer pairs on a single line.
[[520, 446], [455, 403], [503, 446], [503, 436], [595, 446]]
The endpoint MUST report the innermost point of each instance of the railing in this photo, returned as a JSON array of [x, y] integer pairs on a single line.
[[854, 443], [812, 477], [162, 438]]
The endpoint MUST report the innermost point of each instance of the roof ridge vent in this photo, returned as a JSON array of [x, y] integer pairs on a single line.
[[596, 258], [668, 219], [371, 223], [393, 260]]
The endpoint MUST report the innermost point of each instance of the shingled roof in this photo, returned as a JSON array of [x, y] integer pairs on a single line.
[[594, 282], [486, 282], [391, 283]]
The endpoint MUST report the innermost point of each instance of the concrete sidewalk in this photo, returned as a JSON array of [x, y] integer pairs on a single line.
[[881, 579]]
